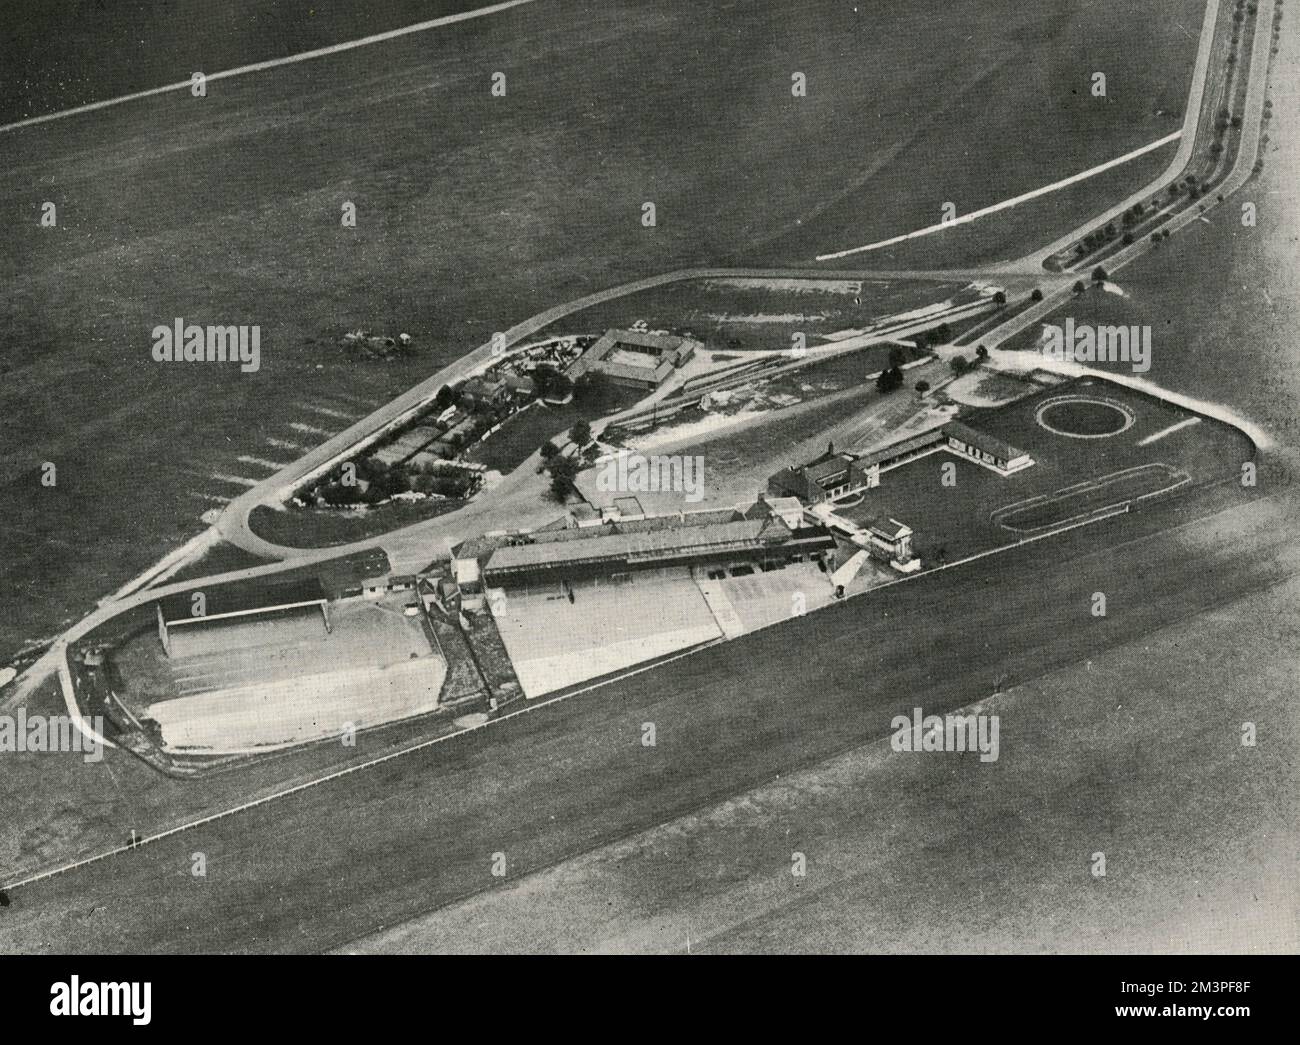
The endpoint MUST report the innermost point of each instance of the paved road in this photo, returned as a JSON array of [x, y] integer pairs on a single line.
[[1243, 165]]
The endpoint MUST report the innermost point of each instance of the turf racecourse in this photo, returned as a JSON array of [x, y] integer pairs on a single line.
[[473, 211], [420, 832]]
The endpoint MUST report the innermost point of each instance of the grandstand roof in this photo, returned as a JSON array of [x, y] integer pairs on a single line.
[[228, 600], [828, 468], [642, 545]]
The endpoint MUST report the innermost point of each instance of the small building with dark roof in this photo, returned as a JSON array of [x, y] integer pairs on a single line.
[[985, 449], [520, 386], [831, 477], [487, 391]]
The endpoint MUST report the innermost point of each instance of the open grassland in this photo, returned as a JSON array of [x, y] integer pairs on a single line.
[[473, 211]]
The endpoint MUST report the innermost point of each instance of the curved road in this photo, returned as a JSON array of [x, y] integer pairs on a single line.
[[232, 524]]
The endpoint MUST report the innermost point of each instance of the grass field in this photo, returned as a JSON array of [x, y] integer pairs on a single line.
[[323, 528], [473, 212]]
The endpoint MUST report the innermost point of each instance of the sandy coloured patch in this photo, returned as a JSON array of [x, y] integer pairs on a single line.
[[797, 286], [293, 711], [554, 643], [786, 317]]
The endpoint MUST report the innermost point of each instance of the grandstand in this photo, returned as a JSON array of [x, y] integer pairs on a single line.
[[200, 621], [262, 681], [545, 559], [575, 602]]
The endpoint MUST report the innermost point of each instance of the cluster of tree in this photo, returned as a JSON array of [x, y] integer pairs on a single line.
[[1095, 240], [370, 481], [1134, 215], [550, 383], [580, 433], [452, 482], [961, 365], [363, 481], [939, 335], [591, 389], [889, 380], [563, 470]]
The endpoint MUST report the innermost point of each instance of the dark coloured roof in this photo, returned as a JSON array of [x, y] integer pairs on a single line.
[[889, 529], [790, 480], [982, 441], [223, 599], [482, 386], [645, 545], [904, 446], [828, 468]]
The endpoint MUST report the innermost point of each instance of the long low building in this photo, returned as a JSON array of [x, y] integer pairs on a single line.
[[757, 534], [836, 475]]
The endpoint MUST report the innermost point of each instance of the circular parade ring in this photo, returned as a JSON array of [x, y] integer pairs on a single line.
[[1084, 416]]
